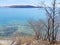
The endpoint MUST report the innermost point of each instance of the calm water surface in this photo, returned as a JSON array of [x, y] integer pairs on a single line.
[[10, 15]]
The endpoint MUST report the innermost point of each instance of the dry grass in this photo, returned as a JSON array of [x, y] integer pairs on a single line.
[[30, 41]]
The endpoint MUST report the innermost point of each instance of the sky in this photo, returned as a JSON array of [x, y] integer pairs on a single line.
[[24, 2]]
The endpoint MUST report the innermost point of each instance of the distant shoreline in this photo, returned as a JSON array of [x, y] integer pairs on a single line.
[[21, 6]]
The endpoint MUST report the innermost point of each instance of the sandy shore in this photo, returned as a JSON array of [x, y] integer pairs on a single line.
[[5, 42]]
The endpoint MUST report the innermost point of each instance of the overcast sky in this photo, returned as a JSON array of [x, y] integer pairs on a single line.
[[31, 2]]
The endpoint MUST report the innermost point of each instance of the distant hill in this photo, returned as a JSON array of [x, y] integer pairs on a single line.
[[21, 6]]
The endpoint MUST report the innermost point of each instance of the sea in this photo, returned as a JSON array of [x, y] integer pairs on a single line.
[[15, 15]]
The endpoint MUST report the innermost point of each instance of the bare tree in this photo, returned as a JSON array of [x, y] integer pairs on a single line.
[[53, 24], [34, 27], [39, 28]]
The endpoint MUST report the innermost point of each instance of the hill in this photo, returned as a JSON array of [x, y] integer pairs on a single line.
[[20, 6]]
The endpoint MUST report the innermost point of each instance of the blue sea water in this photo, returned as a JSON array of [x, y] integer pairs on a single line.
[[21, 15], [10, 15]]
